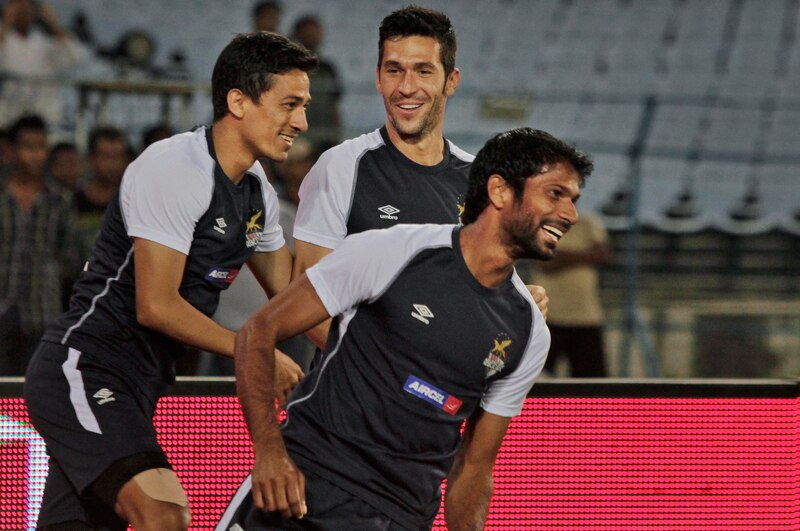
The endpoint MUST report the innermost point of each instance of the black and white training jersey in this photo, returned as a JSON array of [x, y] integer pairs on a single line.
[[367, 183], [174, 194], [417, 346]]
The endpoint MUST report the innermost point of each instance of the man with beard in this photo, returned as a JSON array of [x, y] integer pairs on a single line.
[[403, 172], [434, 327]]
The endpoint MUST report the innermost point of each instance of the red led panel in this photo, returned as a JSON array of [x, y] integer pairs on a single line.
[[567, 463]]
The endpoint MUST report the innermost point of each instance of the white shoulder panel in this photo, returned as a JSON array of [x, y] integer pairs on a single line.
[[327, 191], [365, 264], [166, 190]]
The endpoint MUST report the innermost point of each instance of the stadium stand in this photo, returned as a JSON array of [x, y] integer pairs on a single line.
[[697, 102]]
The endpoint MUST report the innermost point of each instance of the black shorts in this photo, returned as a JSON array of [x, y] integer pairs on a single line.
[[99, 433], [329, 508]]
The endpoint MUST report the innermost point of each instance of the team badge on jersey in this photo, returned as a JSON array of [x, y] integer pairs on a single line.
[[460, 207], [496, 360], [422, 389], [253, 228]]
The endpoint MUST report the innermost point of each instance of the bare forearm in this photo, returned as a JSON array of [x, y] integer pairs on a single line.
[[467, 501], [183, 322], [319, 334], [255, 375]]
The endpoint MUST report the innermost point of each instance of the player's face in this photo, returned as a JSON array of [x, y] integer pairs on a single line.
[[412, 82], [544, 214], [272, 124], [109, 160], [31, 152]]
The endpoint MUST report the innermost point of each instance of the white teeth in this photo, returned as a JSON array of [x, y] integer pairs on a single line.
[[288, 139], [410, 107], [554, 231]]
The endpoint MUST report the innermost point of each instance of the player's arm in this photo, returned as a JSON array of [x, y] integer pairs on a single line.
[[306, 255], [470, 482], [273, 270], [278, 485], [160, 306]]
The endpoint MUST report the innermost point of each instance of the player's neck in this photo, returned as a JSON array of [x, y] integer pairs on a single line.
[[484, 253], [232, 155], [426, 149]]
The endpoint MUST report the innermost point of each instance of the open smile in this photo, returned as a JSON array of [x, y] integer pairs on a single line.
[[552, 234]]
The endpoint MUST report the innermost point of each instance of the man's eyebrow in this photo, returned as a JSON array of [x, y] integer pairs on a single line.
[[421, 64]]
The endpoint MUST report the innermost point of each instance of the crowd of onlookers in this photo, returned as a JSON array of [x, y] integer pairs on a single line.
[[53, 193]]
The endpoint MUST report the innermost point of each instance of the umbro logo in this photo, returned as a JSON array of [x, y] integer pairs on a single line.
[[389, 212], [220, 226], [104, 395], [422, 313]]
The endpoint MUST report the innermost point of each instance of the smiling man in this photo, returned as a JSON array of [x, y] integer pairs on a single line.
[[403, 172], [433, 328], [191, 210]]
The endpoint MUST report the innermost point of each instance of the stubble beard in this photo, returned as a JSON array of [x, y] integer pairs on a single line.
[[426, 125], [520, 237]]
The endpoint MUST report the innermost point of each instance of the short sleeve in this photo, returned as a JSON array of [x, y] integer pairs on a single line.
[[162, 200], [506, 396], [272, 236], [325, 201], [365, 264]]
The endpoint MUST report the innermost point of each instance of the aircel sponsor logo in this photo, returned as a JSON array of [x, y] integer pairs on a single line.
[[422, 389], [221, 274], [389, 212]]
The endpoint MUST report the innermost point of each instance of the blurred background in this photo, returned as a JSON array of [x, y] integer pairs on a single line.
[[691, 109]]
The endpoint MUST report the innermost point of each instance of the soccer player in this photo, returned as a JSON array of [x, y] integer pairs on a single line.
[[191, 210], [404, 172], [434, 327]]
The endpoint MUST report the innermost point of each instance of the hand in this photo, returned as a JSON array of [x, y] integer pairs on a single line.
[[540, 297], [278, 485], [287, 375]]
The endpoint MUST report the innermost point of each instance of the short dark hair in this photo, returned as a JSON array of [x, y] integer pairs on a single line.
[[105, 132], [29, 122], [420, 21], [306, 19], [265, 6], [250, 61], [515, 156]]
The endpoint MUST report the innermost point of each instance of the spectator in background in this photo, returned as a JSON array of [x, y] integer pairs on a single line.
[[109, 155], [324, 122], [575, 317], [33, 47], [155, 133], [6, 153], [37, 253], [65, 166], [267, 16]]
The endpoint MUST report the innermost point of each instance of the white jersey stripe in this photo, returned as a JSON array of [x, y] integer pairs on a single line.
[[241, 493], [77, 394], [98, 297]]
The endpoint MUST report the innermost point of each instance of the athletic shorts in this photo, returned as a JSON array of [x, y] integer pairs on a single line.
[[329, 508], [98, 430]]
